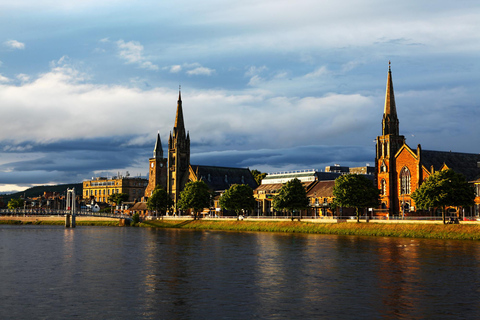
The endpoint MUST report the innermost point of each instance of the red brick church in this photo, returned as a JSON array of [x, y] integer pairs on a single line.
[[400, 170]]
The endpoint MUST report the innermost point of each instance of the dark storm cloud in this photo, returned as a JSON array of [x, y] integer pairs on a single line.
[[301, 157], [69, 160]]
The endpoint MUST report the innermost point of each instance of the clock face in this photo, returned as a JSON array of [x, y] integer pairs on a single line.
[[161, 165], [152, 165]]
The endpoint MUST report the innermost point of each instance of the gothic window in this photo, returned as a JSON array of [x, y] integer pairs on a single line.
[[405, 181], [383, 187], [383, 167]]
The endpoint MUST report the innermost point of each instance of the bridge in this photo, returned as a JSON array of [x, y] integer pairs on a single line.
[[69, 217]]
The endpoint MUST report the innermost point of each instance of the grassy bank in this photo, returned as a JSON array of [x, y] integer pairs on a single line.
[[411, 230], [60, 222]]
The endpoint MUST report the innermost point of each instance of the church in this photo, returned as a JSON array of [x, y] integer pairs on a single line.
[[400, 169], [174, 171]]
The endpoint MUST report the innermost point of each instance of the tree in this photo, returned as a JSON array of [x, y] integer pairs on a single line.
[[258, 176], [118, 198], [159, 200], [355, 191], [238, 197], [292, 196], [444, 188], [15, 203], [195, 196]]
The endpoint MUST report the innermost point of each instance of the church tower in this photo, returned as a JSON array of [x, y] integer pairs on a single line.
[[157, 169], [178, 156], [387, 146]]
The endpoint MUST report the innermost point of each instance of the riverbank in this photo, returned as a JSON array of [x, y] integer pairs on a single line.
[[58, 220], [404, 230], [391, 229]]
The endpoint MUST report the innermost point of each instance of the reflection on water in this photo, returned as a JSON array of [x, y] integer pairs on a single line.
[[125, 273]]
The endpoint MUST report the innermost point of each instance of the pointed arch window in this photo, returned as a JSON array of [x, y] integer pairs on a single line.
[[383, 167], [383, 187], [405, 181]]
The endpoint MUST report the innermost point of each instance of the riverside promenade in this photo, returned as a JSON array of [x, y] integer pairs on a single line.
[[328, 220]]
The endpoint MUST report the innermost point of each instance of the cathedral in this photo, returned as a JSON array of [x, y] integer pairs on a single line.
[[174, 171], [400, 169]]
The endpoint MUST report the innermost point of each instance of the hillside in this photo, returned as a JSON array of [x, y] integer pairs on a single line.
[[39, 190]]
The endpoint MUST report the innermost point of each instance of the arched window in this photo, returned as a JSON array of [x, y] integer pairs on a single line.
[[383, 187], [405, 181]]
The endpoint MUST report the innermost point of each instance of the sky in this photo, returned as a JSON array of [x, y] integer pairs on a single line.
[[272, 85]]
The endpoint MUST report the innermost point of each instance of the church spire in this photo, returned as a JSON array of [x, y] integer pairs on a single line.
[[179, 127], [158, 150], [390, 119]]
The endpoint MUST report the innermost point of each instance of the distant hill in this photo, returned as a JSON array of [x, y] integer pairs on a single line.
[[39, 190]]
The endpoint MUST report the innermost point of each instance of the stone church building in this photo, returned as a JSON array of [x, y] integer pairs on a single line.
[[174, 171], [400, 169]]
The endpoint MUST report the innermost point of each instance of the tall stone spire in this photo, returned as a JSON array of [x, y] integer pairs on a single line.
[[178, 155], [179, 128], [390, 120], [158, 150]]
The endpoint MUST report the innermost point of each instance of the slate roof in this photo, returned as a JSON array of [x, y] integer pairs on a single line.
[[464, 163], [322, 189], [214, 177], [275, 187]]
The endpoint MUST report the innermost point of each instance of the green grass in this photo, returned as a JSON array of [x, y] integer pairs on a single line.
[[407, 230], [410, 230]]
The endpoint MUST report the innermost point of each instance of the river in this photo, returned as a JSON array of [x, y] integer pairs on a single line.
[[49, 272]]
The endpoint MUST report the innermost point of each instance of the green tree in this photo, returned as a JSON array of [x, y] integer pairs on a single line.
[[195, 196], [292, 196], [15, 203], [118, 198], [258, 176], [237, 198], [159, 200], [355, 191], [444, 188]]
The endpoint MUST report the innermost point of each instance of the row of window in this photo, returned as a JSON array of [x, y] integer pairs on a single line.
[[103, 183], [100, 192]]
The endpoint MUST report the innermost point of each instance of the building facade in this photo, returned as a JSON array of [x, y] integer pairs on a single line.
[[99, 189]]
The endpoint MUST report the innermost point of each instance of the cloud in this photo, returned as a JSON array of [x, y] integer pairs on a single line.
[[132, 53], [253, 71], [294, 158], [319, 72], [14, 44], [23, 77], [176, 68], [4, 79], [201, 71]]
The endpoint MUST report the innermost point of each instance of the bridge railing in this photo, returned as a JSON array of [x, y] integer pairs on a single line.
[[51, 212]]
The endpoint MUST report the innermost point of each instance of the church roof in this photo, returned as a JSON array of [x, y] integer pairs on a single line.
[[221, 178], [464, 163]]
